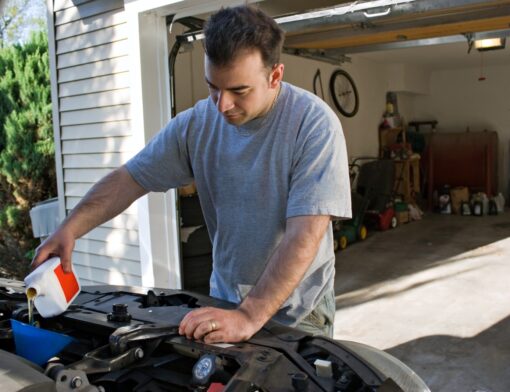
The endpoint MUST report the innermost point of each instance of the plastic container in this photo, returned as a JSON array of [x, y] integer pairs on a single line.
[[45, 218], [52, 289]]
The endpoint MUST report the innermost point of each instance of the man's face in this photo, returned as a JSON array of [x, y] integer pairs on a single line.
[[244, 89]]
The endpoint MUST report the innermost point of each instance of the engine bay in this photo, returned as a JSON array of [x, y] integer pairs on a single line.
[[126, 339]]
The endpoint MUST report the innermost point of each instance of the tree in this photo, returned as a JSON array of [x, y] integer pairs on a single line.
[[27, 167], [20, 17]]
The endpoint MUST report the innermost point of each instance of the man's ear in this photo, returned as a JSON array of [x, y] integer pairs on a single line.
[[276, 75]]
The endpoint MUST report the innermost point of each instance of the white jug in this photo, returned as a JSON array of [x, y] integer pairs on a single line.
[[52, 289]]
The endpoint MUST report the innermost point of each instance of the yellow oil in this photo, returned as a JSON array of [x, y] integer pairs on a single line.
[[31, 294]]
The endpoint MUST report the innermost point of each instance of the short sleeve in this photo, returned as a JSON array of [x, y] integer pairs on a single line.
[[319, 183], [164, 162]]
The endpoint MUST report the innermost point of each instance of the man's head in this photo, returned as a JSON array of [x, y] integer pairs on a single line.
[[233, 30], [242, 69]]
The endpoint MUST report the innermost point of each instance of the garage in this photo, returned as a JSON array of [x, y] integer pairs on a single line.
[[416, 284], [415, 61]]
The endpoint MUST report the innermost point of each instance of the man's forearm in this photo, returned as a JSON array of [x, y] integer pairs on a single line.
[[105, 200], [286, 267], [108, 198]]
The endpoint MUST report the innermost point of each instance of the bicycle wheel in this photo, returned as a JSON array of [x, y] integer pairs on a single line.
[[344, 93]]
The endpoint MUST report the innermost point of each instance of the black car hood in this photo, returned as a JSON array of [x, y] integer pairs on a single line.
[[125, 338]]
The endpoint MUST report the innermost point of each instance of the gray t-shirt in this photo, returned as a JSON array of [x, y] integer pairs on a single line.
[[250, 179]]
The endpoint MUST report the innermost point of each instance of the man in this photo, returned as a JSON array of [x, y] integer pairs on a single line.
[[270, 166]]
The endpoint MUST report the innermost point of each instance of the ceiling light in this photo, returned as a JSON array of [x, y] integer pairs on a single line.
[[490, 44]]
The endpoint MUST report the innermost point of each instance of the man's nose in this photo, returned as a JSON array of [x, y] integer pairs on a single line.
[[224, 102]]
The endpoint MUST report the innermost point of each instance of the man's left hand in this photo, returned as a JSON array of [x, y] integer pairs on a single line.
[[213, 325]]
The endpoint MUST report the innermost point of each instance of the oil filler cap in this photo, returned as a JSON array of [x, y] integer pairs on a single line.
[[204, 369], [119, 314]]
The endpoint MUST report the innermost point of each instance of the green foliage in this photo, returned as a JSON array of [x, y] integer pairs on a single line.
[[27, 167]]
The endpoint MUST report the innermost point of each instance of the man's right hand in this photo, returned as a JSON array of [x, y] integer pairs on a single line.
[[61, 244]]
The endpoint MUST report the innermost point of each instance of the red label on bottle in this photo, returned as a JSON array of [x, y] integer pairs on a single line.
[[68, 282]]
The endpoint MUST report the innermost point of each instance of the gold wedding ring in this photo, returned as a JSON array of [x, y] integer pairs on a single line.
[[213, 325]]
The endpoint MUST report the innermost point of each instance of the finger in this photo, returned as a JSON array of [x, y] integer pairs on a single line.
[[40, 256], [65, 260], [202, 330], [215, 337], [191, 325], [191, 318], [185, 322]]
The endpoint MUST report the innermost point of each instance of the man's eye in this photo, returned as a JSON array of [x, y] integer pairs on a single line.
[[240, 92]]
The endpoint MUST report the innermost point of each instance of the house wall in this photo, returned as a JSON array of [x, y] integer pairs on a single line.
[[91, 97]]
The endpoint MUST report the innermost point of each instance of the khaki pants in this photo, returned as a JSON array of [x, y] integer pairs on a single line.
[[321, 320]]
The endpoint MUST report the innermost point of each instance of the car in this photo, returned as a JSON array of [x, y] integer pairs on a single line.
[[126, 339]]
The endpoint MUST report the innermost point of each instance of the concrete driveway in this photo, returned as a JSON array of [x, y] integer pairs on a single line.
[[436, 294]]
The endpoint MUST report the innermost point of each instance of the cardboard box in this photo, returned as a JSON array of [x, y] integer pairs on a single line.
[[458, 195], [402, 217]]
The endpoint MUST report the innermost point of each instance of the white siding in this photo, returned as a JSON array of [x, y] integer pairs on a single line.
[[85, 131], [86, 10], [94, 104], [106, 98], [85, 175], [104, 83], [96, 53], [77, 189], [123, 221], [91, 70], [63, 4], [93, 38], [100, 248], [105, 114], [93, 273], [119, 144], [72, 201], [82, 161], [111, 18], [119, 236]]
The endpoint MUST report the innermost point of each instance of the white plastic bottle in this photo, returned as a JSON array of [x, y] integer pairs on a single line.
[[52, 289]]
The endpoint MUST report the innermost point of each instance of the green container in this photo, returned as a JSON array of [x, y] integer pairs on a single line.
[[401, 207]]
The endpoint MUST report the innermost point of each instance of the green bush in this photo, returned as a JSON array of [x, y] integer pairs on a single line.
[[27, 166]]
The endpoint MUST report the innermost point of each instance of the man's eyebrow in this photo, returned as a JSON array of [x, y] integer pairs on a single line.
[[235, 88]]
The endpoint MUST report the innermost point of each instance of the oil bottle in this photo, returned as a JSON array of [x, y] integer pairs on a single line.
[[51, 289]]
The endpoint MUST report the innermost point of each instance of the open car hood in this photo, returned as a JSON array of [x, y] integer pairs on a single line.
[[126, 339]]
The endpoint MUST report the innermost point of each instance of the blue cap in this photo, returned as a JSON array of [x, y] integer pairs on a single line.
[[36, 344]]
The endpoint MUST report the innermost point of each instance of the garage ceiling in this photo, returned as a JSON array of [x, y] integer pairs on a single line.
[[399, 24], [442, 56], [430, 33]]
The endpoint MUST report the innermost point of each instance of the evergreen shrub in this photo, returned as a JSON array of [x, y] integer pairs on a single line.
[[27, 162]]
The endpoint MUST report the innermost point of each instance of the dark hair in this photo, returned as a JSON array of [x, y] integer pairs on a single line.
[[231, 30]]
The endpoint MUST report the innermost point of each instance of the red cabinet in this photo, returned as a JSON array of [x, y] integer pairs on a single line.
[[462, 159]]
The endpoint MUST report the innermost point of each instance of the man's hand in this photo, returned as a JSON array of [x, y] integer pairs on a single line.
[[284, 271], [213, 325], [61, 244]]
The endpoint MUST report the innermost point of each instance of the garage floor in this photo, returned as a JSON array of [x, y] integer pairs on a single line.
[[436, 294]]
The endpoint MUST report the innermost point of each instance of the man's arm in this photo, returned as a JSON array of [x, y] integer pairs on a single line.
[[105, 200], [282, 275]]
